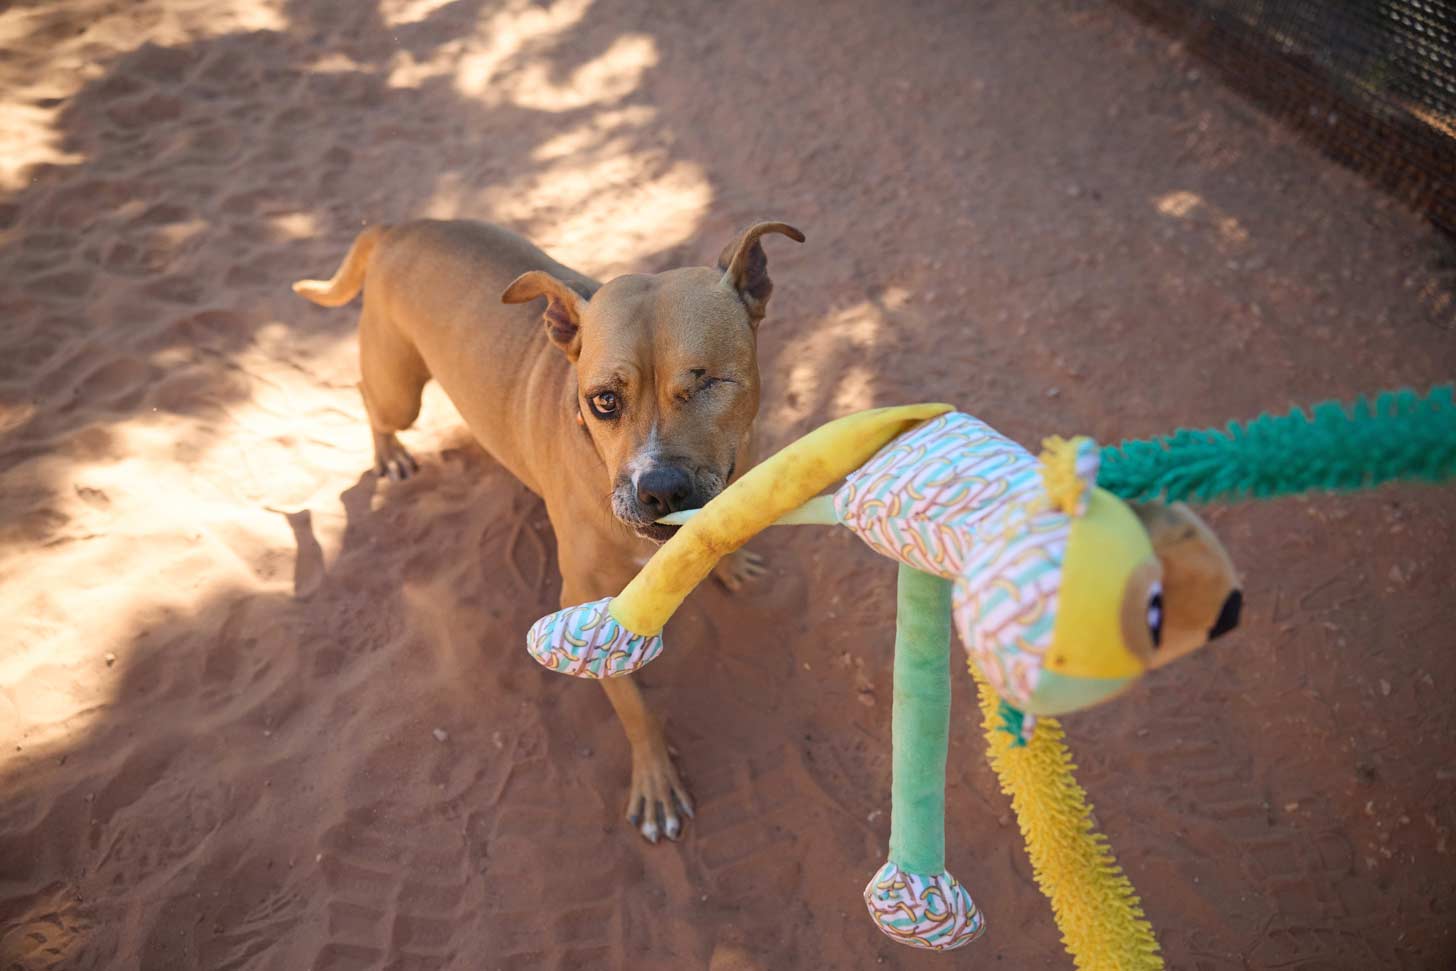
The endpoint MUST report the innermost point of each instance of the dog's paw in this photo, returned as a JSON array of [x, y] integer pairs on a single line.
[[738, 568], [391, 460], [658, 804]]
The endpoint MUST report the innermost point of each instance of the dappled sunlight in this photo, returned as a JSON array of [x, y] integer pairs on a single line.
[[1179, 204], [408, 71], [176, 23], [28, 134], [181, 505], [613, 214], [174, 235], [608, 78], [1232, 230], [204, 18], [336, 62], [596, 181], [508, 34], [854, 390], [597, 200], [594, 135], [499, 63], [503, 61], [295, 225], [895, 297], [184, 502], [398, 13], [816, 386], [1195, 208], [30, 115], [14, 414], [138, 519]]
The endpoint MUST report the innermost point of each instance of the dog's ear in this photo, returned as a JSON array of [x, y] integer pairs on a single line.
[[563, 307], [745, 268], [1201, 595]]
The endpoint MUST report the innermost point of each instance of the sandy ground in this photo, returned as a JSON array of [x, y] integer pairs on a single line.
[[259, 711]]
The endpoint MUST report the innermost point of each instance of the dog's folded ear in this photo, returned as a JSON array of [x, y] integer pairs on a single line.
[[745, 268], [563, 307]]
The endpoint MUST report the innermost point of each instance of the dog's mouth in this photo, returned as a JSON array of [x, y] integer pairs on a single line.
[[656, 532], [632, 514], [645, 529]]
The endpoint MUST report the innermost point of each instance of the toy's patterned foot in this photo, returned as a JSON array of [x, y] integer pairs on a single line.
[[586, 641], [933, 912]]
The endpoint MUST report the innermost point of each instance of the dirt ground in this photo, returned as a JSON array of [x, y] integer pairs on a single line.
[[260, 711]]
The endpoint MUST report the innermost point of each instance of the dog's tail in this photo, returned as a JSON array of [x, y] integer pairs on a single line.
[[349, 279]]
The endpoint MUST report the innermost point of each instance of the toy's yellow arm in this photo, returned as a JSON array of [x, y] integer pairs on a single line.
[[617, 635], [778, 485]]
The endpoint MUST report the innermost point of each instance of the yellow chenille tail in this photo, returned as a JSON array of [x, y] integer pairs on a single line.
[[1095, 906]]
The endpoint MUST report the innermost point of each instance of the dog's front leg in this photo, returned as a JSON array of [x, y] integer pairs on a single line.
[[657, 801], [739, 568]]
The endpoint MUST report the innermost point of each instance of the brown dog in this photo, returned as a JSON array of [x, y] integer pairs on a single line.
[[643, 406]]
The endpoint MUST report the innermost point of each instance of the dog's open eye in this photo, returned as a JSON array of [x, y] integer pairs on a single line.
[[605, 404], [1155, 614]]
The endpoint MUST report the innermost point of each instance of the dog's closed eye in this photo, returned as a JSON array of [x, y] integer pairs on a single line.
[[700, 382]]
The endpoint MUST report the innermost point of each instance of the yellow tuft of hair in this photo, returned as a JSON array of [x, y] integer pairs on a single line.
[[1064, 485], [1095, 906]]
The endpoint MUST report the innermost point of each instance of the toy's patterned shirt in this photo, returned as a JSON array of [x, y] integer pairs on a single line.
[[957, 499]]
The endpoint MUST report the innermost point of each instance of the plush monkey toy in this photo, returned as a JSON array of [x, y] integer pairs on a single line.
[[1063, 594]]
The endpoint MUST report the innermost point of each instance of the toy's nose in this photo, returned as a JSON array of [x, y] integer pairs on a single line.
[[1228, 617], [664, 489]]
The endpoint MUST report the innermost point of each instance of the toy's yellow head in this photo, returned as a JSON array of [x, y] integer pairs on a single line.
[[1112, 620], [1063, 609], [1059, 590]]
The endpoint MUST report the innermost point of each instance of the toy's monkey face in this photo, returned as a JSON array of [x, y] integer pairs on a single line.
[[1201, 596], [1141, 585], [1108, 611]]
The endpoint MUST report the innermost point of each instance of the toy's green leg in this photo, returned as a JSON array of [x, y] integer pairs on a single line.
[[913, 898], [921, 726]]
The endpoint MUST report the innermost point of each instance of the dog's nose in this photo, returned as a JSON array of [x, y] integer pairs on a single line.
[[1228, 617], [663, 490]]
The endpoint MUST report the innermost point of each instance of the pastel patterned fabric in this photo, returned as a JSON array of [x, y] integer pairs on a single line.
[[929, 911], [957, 499], [588, 642]]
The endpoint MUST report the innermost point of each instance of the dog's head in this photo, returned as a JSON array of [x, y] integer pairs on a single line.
[[667, 373]]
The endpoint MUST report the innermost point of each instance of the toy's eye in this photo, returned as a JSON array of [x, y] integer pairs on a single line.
[[1155, 614], [605, 404]]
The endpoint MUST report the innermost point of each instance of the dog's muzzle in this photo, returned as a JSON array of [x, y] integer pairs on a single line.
[[661, 490]]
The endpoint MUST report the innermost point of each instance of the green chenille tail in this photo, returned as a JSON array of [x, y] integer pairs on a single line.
[[1335, 448]]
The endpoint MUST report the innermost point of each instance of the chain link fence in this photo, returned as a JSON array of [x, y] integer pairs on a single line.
[[1371, 82]]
